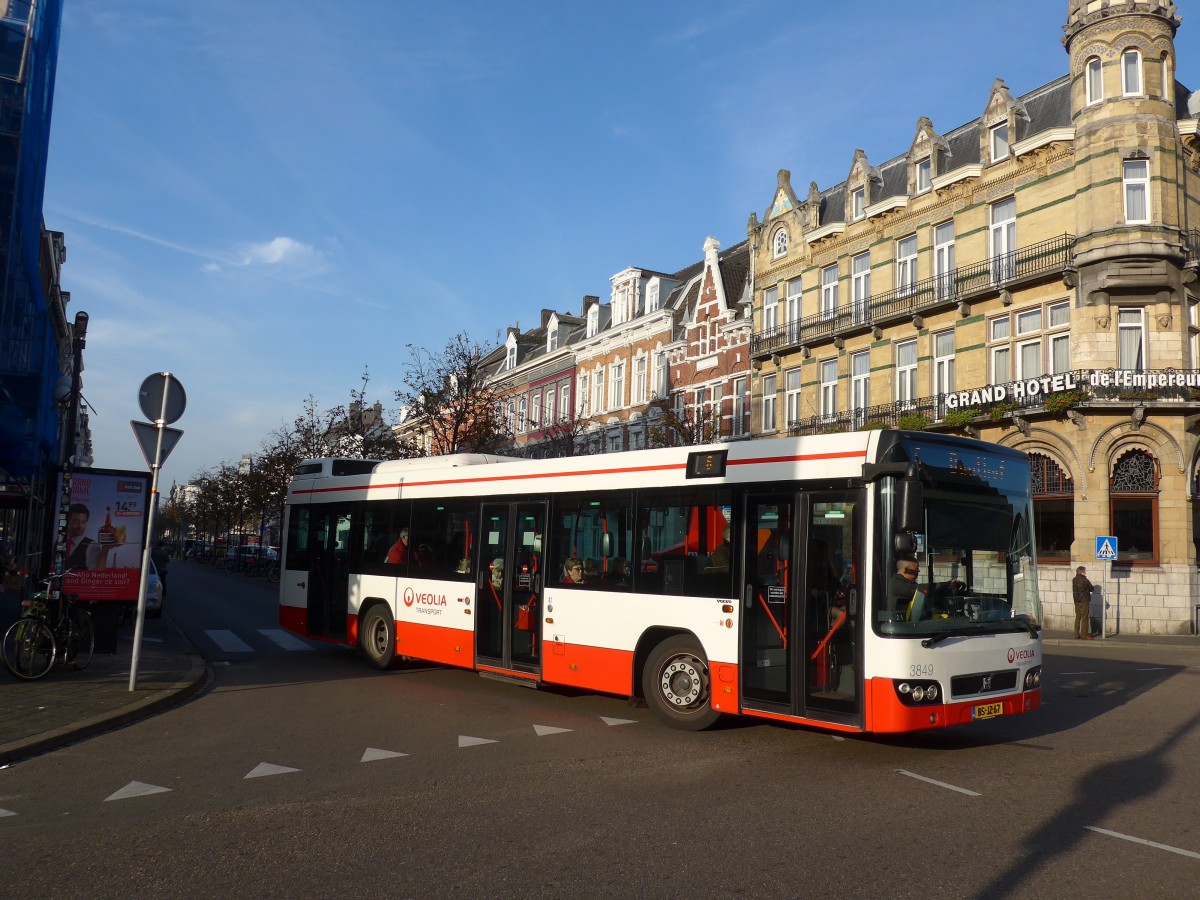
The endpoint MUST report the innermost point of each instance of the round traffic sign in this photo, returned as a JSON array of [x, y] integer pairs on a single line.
[[161, 398]]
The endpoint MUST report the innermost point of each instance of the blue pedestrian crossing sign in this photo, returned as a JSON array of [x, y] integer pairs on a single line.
[[1106, 548]]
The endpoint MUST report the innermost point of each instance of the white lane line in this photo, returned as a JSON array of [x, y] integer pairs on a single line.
[[1153, 669], [228, 641], [948, 787], [284, 639], [263, 769], [373, 753], [137, 789], [1138, 840], [1076, 673]]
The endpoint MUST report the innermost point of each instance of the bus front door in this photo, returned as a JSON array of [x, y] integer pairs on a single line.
[[799, 641], [508, 594]]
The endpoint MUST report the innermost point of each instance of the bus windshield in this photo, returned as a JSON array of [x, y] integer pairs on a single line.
[[970, 566]]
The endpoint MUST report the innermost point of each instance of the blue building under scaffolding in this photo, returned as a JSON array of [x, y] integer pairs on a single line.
[[35, 337]]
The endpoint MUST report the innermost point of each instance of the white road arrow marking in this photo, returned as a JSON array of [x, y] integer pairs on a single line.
[[607, 721], [137, 789], [6, 812], [543, 730], [263, 769], [464, 741], [373, 754]]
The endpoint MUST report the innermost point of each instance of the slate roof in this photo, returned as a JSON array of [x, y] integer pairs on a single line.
[[1048, 106]]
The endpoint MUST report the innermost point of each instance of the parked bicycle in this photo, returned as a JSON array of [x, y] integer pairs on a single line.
[[52, 628]]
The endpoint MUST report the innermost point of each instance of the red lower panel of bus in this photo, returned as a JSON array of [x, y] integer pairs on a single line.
[[594, 668], [294, 618], [429, 642], [724, 686], [886, 714]]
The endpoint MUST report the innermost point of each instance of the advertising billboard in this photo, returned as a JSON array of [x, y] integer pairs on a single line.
[[106, 533]]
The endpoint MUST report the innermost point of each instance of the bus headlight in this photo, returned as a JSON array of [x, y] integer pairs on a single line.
[[1033, 678], [916, 693]]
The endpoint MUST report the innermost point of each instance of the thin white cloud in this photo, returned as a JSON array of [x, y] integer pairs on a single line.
[[285, 252]]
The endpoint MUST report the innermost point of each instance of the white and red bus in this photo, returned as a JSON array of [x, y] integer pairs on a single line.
[[878, 581]]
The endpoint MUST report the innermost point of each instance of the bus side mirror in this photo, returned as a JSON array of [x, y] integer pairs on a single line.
[[910, 506]]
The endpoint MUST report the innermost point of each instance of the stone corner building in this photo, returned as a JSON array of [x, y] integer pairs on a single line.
[[1028, 278]]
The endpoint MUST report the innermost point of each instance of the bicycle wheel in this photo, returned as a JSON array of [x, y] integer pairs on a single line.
[[273, 574], [29, 650], [81, 639]]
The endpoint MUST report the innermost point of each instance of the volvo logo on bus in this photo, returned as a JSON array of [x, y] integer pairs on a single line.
[[423, 599], [1014, 654]]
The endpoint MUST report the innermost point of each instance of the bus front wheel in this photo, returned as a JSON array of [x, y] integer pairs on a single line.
[[378, 636], [677, 684]]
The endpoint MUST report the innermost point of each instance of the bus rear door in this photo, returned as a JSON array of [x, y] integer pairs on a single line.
[[508, 596]]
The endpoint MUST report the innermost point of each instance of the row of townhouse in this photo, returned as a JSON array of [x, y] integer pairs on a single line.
[[1028, 278], [665, 360]]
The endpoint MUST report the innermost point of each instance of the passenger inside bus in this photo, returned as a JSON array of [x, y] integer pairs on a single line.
[[773, 559], [721, 556], [591, 571], [398, 554], [573, 571], [618, 575]]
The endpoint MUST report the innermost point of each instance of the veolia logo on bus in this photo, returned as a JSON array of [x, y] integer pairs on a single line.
[[424, 599]]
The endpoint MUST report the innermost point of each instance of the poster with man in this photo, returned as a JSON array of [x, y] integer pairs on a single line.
[[106, 533]]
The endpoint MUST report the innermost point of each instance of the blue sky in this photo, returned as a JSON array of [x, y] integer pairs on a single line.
[[264, 198]]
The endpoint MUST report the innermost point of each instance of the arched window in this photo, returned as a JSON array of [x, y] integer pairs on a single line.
[[1094, 77], [1133, 507], [1053, 509], [1131, 73], [780, 243]]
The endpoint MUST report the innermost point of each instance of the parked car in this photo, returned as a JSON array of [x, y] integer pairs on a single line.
[[155, 593]]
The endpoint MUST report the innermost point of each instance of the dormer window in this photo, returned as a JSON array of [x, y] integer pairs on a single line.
[[510, 359], [858, 204], [779, 243], [552, 337], [652, 296], [924, 175], [593, 320], [1131, 73], [999, 141]]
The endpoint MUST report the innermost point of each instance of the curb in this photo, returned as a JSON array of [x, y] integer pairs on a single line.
[[198, 677]]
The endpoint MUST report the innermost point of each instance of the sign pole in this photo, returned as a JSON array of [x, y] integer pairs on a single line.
[[1107, 548], [151, 510], [169, 407]]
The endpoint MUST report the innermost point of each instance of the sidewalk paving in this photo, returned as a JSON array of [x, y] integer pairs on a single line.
[[69, 705]]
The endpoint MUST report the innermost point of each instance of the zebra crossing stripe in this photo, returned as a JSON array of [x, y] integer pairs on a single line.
[[284, 639], [228, 641]]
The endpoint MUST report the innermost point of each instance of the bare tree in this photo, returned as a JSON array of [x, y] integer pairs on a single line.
[[670, 427], [448, 396]]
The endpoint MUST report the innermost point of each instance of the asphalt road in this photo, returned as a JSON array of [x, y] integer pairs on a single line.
[[302, 773]]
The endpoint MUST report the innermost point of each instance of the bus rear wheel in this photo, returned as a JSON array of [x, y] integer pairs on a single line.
[[377, 636], [677, 684]]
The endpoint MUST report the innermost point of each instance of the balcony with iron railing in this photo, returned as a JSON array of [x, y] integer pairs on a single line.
[[965, 283]]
